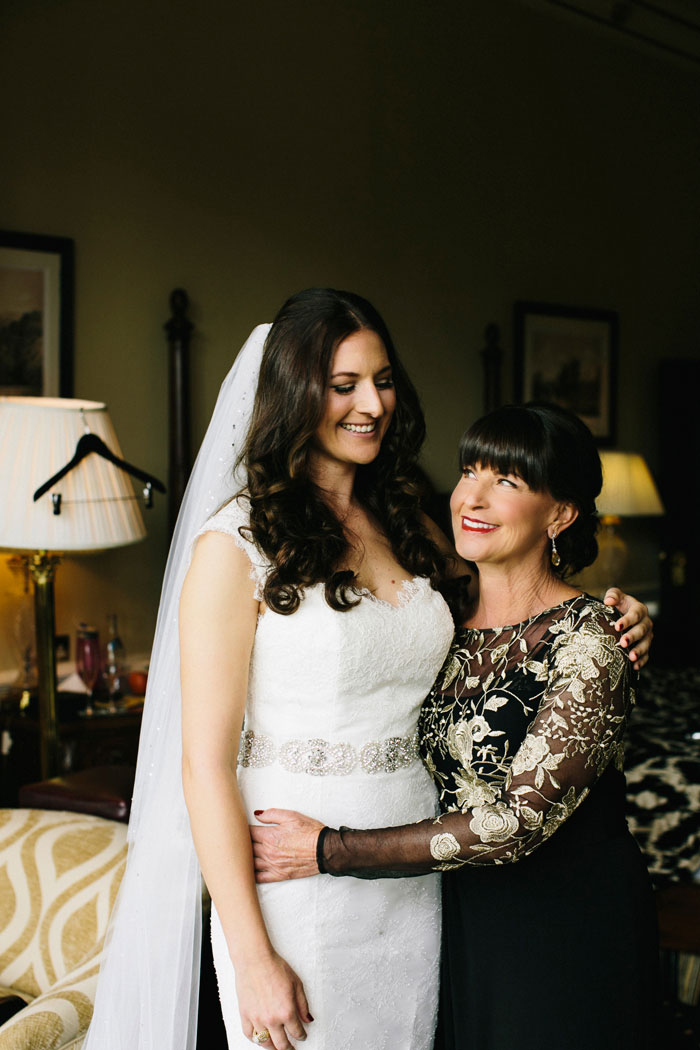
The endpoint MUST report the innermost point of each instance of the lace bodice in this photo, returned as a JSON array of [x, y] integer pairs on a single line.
[[320, 674], [520, 724], [331, 730]]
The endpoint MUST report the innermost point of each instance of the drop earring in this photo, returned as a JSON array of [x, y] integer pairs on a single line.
[[556, 558]]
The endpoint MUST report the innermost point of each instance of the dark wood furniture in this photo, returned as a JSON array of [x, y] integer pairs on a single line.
[[179, 332], [103, 791], [83, 743], [678, 906]]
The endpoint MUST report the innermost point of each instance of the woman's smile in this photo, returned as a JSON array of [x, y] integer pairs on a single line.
[[359, 428], [475, 525]]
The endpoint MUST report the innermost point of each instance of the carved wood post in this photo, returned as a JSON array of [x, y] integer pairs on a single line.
[[492, 356], [178, 330]]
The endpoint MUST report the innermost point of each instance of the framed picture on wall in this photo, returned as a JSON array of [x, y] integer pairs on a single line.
[[36, 315], [569, 356]]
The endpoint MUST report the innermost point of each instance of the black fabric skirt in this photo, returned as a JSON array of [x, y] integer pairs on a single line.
[[557, 951]]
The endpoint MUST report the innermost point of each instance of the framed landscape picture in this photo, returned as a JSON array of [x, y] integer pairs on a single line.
[[569, 356], [36, 315]]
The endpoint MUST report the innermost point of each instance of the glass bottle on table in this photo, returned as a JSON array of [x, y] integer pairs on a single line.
[[88, 661], [115, 663]]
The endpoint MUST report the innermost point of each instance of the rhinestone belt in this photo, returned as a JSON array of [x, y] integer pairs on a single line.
[[321, 758]]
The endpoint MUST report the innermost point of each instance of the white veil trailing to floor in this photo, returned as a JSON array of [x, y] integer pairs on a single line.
[[149, 981]]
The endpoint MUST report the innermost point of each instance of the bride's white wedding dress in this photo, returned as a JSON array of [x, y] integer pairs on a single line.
[[330, 730]]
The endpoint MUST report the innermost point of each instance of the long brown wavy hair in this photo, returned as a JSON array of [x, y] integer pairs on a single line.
[[289, 520]]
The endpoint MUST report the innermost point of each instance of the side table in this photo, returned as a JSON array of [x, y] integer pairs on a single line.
[[83, 742]]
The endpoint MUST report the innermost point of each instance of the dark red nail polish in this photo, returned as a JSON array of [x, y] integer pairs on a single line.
[[257, 812]]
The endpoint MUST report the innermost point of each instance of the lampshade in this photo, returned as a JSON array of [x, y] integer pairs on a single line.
[[628, 487], [38, 436]]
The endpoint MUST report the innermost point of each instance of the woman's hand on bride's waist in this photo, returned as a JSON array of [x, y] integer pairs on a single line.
[[286, 847]]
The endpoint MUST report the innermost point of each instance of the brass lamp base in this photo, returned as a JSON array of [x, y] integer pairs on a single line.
[[42, 567], [612, 551]]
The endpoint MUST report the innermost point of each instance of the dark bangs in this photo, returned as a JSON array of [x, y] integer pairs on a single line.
[[509, 440]]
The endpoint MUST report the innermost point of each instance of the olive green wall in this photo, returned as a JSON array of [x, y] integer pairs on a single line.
[[443, 159]]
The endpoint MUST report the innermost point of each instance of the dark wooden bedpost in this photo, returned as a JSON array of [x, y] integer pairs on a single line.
[[178, 330]]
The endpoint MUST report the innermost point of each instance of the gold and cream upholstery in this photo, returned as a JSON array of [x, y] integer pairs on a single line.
[[59, 876]]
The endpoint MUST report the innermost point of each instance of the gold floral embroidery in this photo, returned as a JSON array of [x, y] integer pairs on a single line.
[[520, 724], [444, 847], [472, 790], [494, 823], [533, 752]]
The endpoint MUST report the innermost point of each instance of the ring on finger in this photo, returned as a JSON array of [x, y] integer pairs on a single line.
[[260, 1037]]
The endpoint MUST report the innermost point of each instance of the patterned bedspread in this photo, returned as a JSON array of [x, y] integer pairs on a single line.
[[662, 767]]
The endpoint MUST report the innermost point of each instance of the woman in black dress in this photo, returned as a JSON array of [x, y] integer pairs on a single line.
[[549, 932]]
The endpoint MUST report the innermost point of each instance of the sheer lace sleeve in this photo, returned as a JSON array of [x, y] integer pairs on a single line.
[[577, 731]]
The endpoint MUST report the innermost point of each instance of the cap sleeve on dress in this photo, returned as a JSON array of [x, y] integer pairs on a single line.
[[230, 519]]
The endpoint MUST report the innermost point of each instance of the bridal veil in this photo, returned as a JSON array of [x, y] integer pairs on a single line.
[[149, 980]]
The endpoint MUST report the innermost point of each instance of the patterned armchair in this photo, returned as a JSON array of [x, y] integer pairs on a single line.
[[59, 876]]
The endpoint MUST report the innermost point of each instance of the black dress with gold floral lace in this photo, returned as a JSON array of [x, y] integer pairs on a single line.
[[548, 922]]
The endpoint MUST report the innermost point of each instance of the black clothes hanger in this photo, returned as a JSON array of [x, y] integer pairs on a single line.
[[92, 443]]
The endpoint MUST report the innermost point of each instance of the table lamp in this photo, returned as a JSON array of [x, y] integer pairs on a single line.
[[89, 505], [628, 491]]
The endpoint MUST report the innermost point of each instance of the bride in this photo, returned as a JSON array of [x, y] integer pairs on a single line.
[[306, 584], [330, 686]]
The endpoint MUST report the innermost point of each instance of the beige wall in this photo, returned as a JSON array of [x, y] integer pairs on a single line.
[[443, 159]]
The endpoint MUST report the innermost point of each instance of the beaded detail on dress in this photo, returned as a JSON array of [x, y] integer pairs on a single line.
[[321, 758]]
